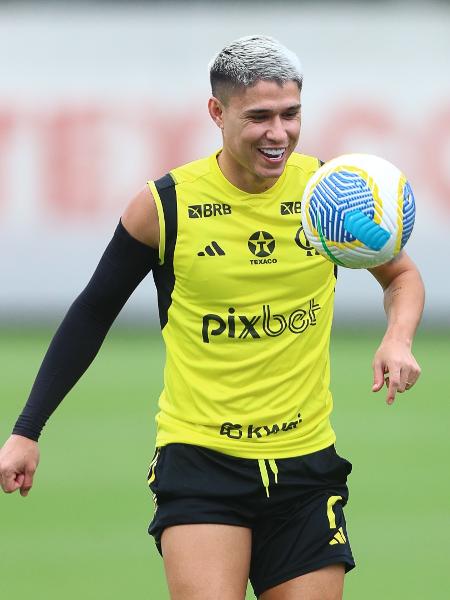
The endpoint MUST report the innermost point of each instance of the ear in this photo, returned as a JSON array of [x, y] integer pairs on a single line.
[[215, 109]]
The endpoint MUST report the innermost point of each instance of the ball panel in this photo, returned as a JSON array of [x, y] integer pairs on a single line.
[[409, 212], [366, 230], [334, 196]]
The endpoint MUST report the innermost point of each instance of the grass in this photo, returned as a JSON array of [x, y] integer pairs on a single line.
[[81, 533]]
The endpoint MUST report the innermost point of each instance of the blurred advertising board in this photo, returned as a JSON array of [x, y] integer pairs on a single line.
[[96, 100]]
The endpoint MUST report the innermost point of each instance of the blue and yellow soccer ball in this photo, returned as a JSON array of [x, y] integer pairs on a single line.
[[358, 210]]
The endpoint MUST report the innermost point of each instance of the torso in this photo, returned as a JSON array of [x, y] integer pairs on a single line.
[[246, 308]]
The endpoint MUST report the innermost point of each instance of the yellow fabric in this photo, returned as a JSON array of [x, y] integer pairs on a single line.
[[330, 512], [162, 229], [274, 467], [152, 468], [247, 337], [265, 475]]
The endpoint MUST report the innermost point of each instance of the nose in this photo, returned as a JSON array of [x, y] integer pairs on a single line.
[[276, 132]]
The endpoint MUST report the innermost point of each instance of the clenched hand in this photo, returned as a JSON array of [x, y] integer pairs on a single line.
[[19, 459]]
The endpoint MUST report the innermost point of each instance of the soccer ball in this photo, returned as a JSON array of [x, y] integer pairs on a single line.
[[358, 210]]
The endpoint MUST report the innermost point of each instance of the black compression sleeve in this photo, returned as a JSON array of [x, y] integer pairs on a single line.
[[124, 264]]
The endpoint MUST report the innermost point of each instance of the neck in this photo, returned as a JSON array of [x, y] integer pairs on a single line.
[[241, 177]]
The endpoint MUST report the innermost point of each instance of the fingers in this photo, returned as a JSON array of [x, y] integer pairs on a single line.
[[393, 382], [378, 376], [413, 376], [27, 483], [399, 381], [405, 384], [11, 481]]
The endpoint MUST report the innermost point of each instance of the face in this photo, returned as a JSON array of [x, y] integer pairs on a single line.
[[261, 127]]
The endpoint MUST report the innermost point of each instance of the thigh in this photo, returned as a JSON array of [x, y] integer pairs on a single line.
[[193, 485], [323, 584], [206, 561]]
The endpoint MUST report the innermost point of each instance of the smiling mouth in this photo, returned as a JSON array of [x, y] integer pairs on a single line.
[[274, 155]]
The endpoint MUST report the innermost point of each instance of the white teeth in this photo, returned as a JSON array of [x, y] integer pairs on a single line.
[[275, 152]]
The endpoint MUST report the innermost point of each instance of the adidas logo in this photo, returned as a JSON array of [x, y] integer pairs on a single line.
[[212, 250], [339, 537]]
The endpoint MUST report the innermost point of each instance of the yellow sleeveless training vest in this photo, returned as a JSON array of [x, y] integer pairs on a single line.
[[246, 308]]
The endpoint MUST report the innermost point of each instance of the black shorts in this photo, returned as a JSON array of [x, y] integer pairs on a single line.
[[294, 506]]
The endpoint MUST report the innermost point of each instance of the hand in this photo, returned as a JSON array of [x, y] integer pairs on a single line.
[[394, 365], [19, 459]]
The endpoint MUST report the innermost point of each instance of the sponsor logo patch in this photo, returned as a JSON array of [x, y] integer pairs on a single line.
[[261, 244], [256, 326], [201, 211], [291, 208], [302, 242], [236, 431]]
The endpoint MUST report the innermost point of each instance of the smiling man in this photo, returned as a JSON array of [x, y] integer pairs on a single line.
[[261, 132], [246, 478]]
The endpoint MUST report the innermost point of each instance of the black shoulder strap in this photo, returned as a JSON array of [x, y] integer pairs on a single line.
[[164, 275], [168, 196]]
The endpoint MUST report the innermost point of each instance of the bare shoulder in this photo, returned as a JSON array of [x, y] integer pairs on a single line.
[[140, 218]]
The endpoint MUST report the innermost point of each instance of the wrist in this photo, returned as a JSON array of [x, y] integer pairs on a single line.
[[398, 334], [22, 438]]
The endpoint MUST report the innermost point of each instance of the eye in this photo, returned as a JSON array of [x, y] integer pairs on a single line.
[[258, 118]]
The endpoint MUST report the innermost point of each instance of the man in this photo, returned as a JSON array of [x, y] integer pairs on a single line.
[[245, 475]]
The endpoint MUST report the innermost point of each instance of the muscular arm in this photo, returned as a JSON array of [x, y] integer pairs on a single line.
[[403, 303], [128, 258]]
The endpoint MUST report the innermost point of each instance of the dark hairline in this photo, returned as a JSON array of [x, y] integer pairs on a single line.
[[223, 87]]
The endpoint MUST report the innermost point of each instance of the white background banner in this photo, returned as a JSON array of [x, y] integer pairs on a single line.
[[96, 100]]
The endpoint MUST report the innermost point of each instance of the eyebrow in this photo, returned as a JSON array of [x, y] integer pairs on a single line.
[[263, 111]]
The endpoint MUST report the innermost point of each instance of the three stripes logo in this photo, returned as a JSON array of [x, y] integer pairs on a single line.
[[212, 249], [339, 536]]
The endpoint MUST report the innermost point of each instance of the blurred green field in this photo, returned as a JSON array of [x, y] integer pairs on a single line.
[[81, 533]]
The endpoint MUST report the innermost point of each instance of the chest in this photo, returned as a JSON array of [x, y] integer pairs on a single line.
[[243, 254]]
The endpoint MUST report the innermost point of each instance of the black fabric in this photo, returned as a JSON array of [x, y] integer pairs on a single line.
[[292, 533], [124, 264], [164, 276]]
